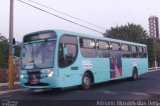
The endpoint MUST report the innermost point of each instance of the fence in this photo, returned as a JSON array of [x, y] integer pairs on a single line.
[[153, 68]]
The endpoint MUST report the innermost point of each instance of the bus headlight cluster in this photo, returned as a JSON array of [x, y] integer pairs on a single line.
[[48, 71], [50, 74]]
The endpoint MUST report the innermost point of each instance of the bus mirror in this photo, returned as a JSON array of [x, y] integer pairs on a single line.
[[16, 49]]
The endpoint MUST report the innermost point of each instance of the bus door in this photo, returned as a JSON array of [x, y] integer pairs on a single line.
[[115, 61]]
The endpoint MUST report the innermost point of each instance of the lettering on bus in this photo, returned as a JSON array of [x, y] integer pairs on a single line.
[[134, 62], [87, 64]]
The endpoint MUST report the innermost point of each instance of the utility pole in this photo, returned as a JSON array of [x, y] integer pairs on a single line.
[[11, 66], [155, 56]]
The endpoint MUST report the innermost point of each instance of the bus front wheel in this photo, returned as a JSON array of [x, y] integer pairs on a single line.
[[86, 81]]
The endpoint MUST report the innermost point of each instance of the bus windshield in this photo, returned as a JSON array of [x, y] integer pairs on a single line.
[[38, 55]]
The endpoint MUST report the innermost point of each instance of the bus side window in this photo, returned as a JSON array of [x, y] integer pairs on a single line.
[[145, 52], [88, 47], [134, 51], [140, 50], [67, 51], [126, 51], [115, 50], [103, 49]]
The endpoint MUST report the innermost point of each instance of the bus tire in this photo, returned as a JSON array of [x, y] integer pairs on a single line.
[[134, 74], [86, 81]]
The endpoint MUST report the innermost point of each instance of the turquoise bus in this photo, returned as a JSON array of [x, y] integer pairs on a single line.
[[59, 58]]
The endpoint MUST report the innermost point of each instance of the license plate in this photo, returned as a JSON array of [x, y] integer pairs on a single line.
[[34, 80]]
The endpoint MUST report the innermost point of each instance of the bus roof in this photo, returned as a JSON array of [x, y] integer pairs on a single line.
[[100, 37]]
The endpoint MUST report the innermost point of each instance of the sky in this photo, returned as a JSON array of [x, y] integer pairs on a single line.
[[104, 13]]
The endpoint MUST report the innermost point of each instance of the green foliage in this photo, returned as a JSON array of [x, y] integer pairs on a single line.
[[136, 33], [130, 32], [4, 47]]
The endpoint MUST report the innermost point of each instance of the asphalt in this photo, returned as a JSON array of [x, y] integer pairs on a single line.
[[147, 87]]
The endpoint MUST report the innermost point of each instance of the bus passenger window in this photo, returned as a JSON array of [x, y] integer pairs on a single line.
[[145, 52], [134, 51], [126, 51], [103, 49], [88, 47], [115, 50], [140, 50]]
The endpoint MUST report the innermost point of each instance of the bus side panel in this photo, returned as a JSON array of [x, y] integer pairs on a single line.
[[101, 69], [71, 75], [142, 65], [126, 67]]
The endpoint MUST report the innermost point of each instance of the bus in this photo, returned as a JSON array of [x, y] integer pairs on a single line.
[[59, 58]]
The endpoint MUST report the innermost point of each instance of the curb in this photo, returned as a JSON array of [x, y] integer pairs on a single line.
[[6, 84], [11, 91]]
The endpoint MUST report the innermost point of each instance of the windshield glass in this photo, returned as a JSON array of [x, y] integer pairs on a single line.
[[38, 55]]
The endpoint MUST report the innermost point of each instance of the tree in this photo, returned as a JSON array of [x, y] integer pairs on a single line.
[[130, 32], [136, 33], [4, 50]]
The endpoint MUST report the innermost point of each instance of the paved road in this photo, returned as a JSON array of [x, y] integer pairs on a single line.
[[147, 87]]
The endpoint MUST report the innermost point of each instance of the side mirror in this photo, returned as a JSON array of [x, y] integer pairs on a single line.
[[16, 50]]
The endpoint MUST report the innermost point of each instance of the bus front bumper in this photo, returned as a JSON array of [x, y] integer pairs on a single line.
[[49, 82]]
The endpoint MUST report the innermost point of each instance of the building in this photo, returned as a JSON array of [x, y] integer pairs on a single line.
[[154, 26]]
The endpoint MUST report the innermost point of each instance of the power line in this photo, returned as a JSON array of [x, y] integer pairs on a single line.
[[59, 16], [67, 14]]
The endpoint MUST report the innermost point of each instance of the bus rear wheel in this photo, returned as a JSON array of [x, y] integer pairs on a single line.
[[86, 81], [135, 75]]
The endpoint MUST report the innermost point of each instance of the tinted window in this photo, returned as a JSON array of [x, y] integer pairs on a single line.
[[115, 46], [145, 52], [140, 49], [134, 53], [88, 47], [103, 45], [115, 50], [87, 43], [133, 48], [68, 50], [103, 49], [126, 51], [125, 47], [142, 52]]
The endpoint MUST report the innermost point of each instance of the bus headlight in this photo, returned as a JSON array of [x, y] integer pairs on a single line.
[[21, 76], [50, 74]]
